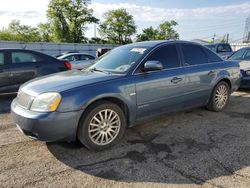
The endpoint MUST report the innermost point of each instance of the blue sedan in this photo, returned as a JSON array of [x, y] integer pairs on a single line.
[[128, 85]]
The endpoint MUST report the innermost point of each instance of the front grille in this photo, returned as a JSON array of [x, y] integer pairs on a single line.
[[24, 100]]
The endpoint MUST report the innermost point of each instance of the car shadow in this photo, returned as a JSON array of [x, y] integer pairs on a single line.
[[5, 102], [188, 147]]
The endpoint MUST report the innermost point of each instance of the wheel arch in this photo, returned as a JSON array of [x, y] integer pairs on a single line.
[[116, 100]]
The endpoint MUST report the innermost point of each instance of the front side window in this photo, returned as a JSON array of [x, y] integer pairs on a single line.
[[193, 55], [247, 55], [121, 59], [167, 55], [21, 57], [239, 55], [1, 58], [85, 57]]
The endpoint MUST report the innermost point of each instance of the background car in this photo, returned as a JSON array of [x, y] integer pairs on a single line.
[[222, 49], [101, 51], [130, 84], [243, 56], [18, 66], [65, 53], [78, 60]]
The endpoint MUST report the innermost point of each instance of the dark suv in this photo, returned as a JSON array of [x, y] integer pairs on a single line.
[[18, 66]]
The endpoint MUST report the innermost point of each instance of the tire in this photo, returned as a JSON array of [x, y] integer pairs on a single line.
[[220, 97], [102, 125]]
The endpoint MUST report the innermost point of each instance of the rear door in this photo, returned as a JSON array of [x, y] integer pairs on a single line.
[[160, 91], [4, 73], [24, 67], [201, 67]]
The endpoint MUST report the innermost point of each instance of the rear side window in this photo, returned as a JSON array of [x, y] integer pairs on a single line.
[[167, 55], [21, 57], [211, 47], [1, 58], [212, 57], [193, 55]]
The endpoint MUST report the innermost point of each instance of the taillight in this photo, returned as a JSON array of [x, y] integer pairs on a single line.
[[67, 64]]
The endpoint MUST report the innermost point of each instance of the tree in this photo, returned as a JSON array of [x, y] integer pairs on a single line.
[[118, 27], [45, 32], [165, 31], [148, 34], [68, 19], [18, 32]]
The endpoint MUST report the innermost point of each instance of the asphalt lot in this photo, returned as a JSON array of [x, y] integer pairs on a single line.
[[196, 148]]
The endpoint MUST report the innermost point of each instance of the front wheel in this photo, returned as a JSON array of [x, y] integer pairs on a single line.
[[220, 97], [102, 126]]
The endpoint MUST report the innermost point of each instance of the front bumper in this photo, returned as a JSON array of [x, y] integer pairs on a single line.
[[52, 126], [245, 82]]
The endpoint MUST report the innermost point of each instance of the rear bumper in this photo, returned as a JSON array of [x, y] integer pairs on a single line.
[[53, 126]]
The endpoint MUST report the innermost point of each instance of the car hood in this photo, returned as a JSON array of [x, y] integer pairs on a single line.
[[64, 81], [245, 65]]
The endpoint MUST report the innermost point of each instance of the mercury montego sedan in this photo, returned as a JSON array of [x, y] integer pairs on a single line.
[[126, 86]]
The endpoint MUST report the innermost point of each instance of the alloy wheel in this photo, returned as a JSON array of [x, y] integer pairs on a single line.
[[104, 127]]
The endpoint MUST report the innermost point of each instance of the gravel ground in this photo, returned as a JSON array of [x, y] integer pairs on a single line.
[[196, 148]]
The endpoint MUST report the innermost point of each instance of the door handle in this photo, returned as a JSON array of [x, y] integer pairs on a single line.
[[176, 80], [211, 73]]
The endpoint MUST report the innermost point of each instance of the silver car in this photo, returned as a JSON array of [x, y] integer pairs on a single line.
[[78, 60]]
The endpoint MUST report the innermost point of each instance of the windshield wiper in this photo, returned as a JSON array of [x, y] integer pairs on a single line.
[[98, 70]]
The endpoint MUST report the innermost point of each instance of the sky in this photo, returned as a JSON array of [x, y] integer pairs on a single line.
[[197, 19]]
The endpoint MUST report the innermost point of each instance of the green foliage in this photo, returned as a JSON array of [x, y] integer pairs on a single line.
[[165, 31], [118, 27], [69, 18], [45, 32], [18, 32], [97, 40]]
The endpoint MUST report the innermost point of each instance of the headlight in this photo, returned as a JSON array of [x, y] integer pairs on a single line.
[[248, 73], [46, 102]]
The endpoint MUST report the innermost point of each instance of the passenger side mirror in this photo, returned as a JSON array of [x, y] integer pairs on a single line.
[[152, 66]]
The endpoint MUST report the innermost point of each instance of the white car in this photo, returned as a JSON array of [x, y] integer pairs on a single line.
[[78, 60]]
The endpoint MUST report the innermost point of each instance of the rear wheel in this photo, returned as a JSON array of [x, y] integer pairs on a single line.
[[220, 97], [102, 126]]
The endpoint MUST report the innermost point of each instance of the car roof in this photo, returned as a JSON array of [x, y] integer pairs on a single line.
[[245, 48], [16, 49], [160, 42], [65, 55]]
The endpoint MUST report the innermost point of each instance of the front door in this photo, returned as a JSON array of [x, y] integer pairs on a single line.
[[160, 91]]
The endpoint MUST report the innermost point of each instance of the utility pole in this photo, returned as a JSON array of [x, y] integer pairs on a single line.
[[227, 38], [214, 38], [246, 37], [94, 30]]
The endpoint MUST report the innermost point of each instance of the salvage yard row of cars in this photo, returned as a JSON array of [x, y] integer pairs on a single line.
[[125, 86]]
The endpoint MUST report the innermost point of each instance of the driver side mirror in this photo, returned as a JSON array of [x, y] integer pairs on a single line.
[[152, 66]]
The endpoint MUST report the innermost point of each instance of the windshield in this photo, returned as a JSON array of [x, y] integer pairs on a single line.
[[241, 55], [119, 60]]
